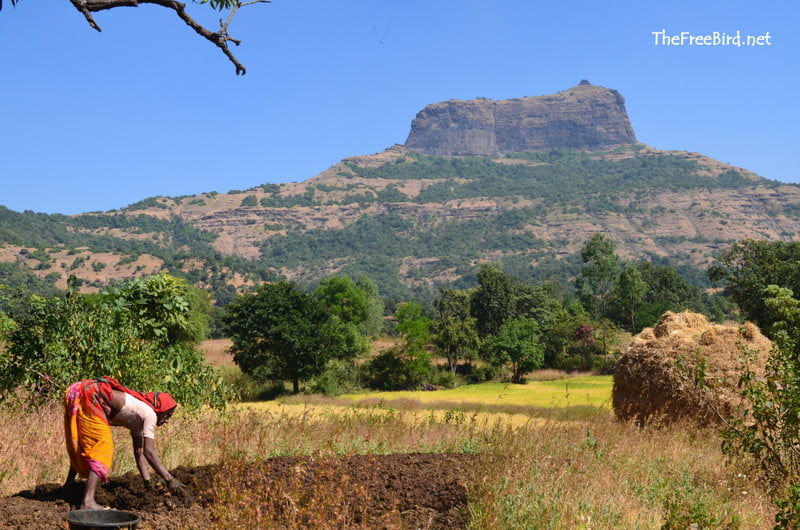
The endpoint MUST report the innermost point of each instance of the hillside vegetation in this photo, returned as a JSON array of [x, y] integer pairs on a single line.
[[413, 222]]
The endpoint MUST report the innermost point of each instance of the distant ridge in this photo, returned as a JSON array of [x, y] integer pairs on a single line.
[[583, 118], [417, 217]]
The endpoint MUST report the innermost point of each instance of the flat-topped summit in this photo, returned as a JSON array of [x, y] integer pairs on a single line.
[[585, 117]]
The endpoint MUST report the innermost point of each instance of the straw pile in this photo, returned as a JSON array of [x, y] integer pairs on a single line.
[[685, 369]]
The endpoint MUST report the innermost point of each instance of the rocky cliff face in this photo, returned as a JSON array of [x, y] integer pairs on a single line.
[[585, 118]]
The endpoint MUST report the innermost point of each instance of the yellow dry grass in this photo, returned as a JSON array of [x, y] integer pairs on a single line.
[[322, 411], [597, 473]]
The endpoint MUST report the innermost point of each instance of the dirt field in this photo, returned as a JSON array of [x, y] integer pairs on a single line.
[[391, 491]]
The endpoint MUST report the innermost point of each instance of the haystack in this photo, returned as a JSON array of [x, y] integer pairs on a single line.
[[685, 368]]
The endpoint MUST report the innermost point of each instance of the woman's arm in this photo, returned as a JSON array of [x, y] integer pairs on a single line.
[[145, 451], [151, 455], [140, 455]]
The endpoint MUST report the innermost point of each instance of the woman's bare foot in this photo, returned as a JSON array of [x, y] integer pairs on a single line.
[[93, 506]]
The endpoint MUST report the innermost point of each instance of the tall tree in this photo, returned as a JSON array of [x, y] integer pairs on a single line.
[[282, 333], [517, 347], [413, 326], [408, 365], [538, 303], [357, 302], [455, 330], [598, 275], [630, 293], [341, 296], [373, 323], [493, 300]]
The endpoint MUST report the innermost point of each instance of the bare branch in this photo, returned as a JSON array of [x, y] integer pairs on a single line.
[[80, 7], [219, 38]]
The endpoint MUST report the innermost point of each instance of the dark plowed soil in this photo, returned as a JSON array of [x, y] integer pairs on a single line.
[[387, 491]]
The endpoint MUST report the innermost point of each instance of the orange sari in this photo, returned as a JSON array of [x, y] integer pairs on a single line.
[[88, 434]]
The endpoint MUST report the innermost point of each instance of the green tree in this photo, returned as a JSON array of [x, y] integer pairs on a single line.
[[597, 280], [282, 333], [168, 309], [413, 327], [517, 348], [341, 296], [500, 298], [250, 200], [645, 291], [408, 365], [598, 276], [559, 339], [538, 303], [749, 266], [493, 301], [56, 341], [630, 293], [455, 330], [373, 323]]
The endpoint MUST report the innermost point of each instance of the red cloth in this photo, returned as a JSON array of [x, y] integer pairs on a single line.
[[159, 401], [93, 394]]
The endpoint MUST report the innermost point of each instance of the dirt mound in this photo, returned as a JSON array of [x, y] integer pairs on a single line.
[[684, 368], [389, 491]]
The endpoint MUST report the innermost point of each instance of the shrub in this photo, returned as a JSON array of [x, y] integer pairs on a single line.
[[394, 370], [444, 378], [339, 377], [768, 431], [143, 334]]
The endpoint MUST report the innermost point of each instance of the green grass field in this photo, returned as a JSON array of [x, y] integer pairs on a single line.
[[590, 390]]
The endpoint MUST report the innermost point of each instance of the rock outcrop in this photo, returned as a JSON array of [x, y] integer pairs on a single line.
[[584, 118]]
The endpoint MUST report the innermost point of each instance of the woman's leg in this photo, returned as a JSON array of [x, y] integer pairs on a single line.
[[88, 495], [70, 476]]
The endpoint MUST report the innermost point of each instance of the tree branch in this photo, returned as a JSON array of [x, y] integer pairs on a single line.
[[220, 38]]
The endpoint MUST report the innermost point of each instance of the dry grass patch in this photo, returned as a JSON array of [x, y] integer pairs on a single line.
[[217, 352], [611, 475], [595, 473]]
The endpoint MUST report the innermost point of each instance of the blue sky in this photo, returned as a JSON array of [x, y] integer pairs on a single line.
[[97, 121]]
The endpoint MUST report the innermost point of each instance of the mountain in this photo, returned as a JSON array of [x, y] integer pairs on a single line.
[[524, 182], [583, 118]]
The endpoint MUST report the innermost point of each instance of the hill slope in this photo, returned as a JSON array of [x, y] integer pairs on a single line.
[[413, 221]]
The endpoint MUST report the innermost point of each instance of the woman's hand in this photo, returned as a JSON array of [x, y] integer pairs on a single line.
[[176, 486]]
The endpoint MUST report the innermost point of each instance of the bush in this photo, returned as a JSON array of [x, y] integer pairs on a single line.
[[393, 370], [144, 334], [768, 432], [583, 363], [473, 373], [442, 377], [339, 377]]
